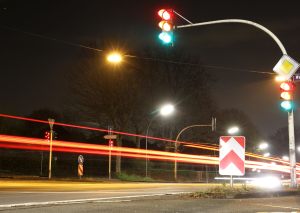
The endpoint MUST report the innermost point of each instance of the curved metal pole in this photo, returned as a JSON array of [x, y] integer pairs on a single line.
[[146, 146], [176, 146], [240, 21]]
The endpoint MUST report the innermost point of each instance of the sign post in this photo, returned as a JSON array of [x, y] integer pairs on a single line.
[[80, 166], [232, 156], [51, 122], [111, 144]]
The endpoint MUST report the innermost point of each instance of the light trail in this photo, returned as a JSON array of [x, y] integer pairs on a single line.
[[61, 146]]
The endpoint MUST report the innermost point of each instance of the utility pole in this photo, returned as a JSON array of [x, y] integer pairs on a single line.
[[293, 182]]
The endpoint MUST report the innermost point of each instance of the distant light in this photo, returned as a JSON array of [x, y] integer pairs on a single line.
[[167, 110], [267, 182], [266, 154], [114, 58], [285, 158], [263, 145], [254, 169], [273, 163], [280, 78], [258, 170], [233, 130], [299, 148]]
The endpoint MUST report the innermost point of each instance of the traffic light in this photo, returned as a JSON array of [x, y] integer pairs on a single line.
[[287, 95], [166, 25], [47, 136], [54, 135], [111, 144]]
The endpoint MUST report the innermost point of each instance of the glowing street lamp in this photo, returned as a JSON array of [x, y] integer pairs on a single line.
[[263, 145], [233, 130], [114, 58], [280, 78], [166, 110]]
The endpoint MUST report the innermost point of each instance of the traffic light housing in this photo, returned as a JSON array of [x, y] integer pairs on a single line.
[[166, 25], [47, 136], [111, 144], [286, 94], [54, 136]]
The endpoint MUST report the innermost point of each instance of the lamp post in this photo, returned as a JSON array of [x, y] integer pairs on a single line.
[[232, 131], [51, 122], [164, 111]]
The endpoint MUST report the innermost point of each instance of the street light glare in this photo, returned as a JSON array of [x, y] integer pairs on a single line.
[[167, 110], [233, 130], [263, 146], [266, 154], [114, 58], [280, 78], [285, 158]]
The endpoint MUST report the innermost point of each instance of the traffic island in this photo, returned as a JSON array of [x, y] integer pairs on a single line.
[[240, 193]]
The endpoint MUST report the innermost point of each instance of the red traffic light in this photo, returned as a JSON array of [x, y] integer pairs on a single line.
[[286, 86], [165, 15], [111, 143]]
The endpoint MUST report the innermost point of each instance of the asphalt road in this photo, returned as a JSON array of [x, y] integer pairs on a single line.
[[168, 203], [115, 196]]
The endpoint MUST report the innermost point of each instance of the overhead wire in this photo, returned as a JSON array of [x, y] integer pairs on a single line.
[[133, 56]]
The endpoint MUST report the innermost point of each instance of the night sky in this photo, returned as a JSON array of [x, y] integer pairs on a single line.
[[32, 67]]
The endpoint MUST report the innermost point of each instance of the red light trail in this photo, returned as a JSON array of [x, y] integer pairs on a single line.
[[16, 142]]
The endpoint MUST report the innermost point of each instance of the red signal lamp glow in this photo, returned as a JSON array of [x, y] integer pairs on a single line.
[[286, 86], [165, 15]]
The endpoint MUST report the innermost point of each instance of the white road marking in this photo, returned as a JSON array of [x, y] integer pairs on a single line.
[[79, 200]]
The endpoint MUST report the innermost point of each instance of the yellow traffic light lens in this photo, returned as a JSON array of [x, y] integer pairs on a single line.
[[286, 96], [166, 26]]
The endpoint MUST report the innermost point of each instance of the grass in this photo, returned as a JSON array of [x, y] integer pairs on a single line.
[[221, 191], [125, 177]]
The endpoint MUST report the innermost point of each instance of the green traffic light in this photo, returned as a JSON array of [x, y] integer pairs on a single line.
[[286, 105], [165, 37]]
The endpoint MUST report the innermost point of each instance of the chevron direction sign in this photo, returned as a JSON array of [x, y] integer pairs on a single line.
[[232, 155]]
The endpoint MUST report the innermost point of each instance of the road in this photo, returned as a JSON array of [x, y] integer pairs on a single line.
[[19, 192], [116, 196]]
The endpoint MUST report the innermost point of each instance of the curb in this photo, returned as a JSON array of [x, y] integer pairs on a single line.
[[262, 194]]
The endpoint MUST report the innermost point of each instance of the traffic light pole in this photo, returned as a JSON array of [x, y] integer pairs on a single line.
[[293, 182], [51, 121]]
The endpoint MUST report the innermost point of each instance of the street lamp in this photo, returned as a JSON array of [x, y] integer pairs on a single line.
[[263, 145], [114, 58], [166, 110], [233, 130]]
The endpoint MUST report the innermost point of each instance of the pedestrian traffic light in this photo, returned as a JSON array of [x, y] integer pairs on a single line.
[[47, 136], [287, 95], [166, 25]]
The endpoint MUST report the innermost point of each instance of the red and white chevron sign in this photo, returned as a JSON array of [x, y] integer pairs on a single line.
[[232, 155], [80, 169]]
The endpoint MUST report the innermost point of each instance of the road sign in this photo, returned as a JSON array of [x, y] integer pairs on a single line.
[[110, 130], [286, 67], [110, 136], [80, 169], [80, 159], [296, 78], [232, 155]]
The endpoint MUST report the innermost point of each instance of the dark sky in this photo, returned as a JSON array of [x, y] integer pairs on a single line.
[[32, 67]]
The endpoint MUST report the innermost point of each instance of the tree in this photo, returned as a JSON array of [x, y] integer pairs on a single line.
[[279, 140]]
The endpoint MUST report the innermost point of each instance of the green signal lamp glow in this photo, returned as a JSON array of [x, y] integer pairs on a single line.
[[165, 37], [286, 105]]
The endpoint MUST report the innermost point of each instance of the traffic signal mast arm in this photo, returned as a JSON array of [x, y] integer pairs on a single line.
[[235, 21]]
